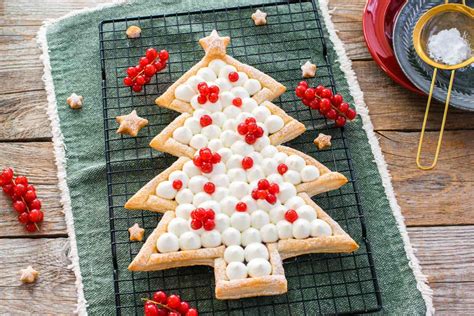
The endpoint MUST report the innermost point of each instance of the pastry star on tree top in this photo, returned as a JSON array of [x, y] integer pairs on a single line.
[[235, 199]]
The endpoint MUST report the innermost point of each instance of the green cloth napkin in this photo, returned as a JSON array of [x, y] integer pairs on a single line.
[[75, 65]]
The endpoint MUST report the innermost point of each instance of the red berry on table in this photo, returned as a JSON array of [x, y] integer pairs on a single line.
[[196, 224], [30, 187], [19, 206], [174, 314], [241, 207], [173, 301], [291, 216], [282, 168], [319, 89], [247, 163], [337, 99], [140, 80], [340, 121], [209, 224], [164, 55], [35, 204], [206, 167], [233, 76], [309, 93], [209, 187], [216, 158], [138, 69], [205, 154], [128, 81], [324, 105], [263, 184], [8, 189], [214, 89], [314, 104], [237, 102], [183, 309], [250, 139], [162, 312], [331, 114], [137, 88], [242, 128], [150, 309], [147, 79], [151, 53], [271, 198], [201, 99], [351, 114], [300, 90], [143, 62], [177, 184], [306, 102], [21, 180], [30, 227], [159, 65], [19, 190], [303, 83], [213, 97], [326, 93], [7, 174], [250, 120], [35, 216], [205, 120], [160, 297], [149, 70], [30, 196], [274, 188], [132, 72], [192, 312], [343, 107], [24, 218]]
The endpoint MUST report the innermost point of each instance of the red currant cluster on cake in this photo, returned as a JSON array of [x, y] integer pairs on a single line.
[[164, 305], [266, 191], [24, 199], [204, 218], [147, 67], [250, 130], [206, 92], [331, 106], [206, 159]]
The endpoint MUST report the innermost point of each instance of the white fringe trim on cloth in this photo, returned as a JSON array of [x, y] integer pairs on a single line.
[[59, 148], [362, 110]]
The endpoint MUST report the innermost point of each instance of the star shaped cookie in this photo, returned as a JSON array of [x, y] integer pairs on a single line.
[[75, 101], [130, 124], [308, 70], [133, 31], [136, 233], [28, 275], [215, 44], [323, 141], [259, 18]]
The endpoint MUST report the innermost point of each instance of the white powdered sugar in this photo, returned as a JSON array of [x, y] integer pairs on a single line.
[[449, 47]]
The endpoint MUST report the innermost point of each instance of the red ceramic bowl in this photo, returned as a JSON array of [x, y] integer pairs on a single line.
[[377, 22]]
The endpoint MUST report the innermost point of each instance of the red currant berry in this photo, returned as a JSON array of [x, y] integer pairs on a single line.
[[303, 83], [147, 79], [250, 120], [150, 309], [306, 102], [214, 89], [300, 90], [206, 167], [343, 107], [340, 121], [325, 105], [252, 127], [202, 99], [216, 158], [137, 88], [143, 62], [30, 187], [196, 224], [233, 76], [247, 163], [163, 312], [132, 72], [209, 187], [35, 216], [140, 80], [177, 184], [19, 206], [241, 207], [174, 301], [183, 309], [19, 190], [213, 97], [174, 314], [203, 88], [250, 139], [151, 53], [192, 312], [30, 227], [8, 189], [30, 196], [209, 224], [314, 104], [337, 99], [160, 297], [210, 214], [21, 180], [206, 154], [291, 216], [309, 93], [200, 213], [242, 129], [331, 114], [319, 89], [24, 218], [138, 69], [271, 198], [197, 160], [351, 114], [263, 184], [128, 81], [237, 102], [159, 65], [164, 55], [326, 93], [262, 194], [258, 132], [282, 168], [35, 204], [254, 194], [150, 70], [205, 120], [274, 188]]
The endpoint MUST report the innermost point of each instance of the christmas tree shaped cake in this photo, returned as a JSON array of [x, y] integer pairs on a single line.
[[236, 199]]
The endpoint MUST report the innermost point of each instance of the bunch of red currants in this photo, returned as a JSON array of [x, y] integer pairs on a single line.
[[147, 67], [164, 305]]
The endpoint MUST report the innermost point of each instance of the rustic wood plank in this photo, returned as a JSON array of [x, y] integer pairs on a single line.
[[35, 160], [53, 293], [437, 197]]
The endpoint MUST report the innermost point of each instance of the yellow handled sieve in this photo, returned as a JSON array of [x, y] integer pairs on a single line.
[[447, 15]]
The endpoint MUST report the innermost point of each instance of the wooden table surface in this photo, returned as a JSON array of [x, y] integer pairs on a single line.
[[437, 204]]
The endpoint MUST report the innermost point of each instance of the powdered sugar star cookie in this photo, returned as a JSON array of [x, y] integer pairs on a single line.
[[29, 275], [136, 233], [75, 101], [133, 31], [323, 141], [130, 124], [308, 70], [259, 18]]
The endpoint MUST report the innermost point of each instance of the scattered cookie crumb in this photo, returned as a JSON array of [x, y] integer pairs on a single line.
[[308, 70], [29, 275], [130, 124], [136, 233], [323, 141], [133, 31], [75, 101], [259, 17]]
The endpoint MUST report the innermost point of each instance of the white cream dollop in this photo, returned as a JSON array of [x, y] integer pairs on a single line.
[[236, 271], [320, 228], [167, 242], [211, 239], [165, 190], [259, 267], [301, 229], [269, 233], [231, 236], [234, 253], [189, 241], [249, 236], [256, 250], [309, 173]]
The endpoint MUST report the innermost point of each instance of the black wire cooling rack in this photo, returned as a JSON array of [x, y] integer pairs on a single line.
[[318, 283]]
